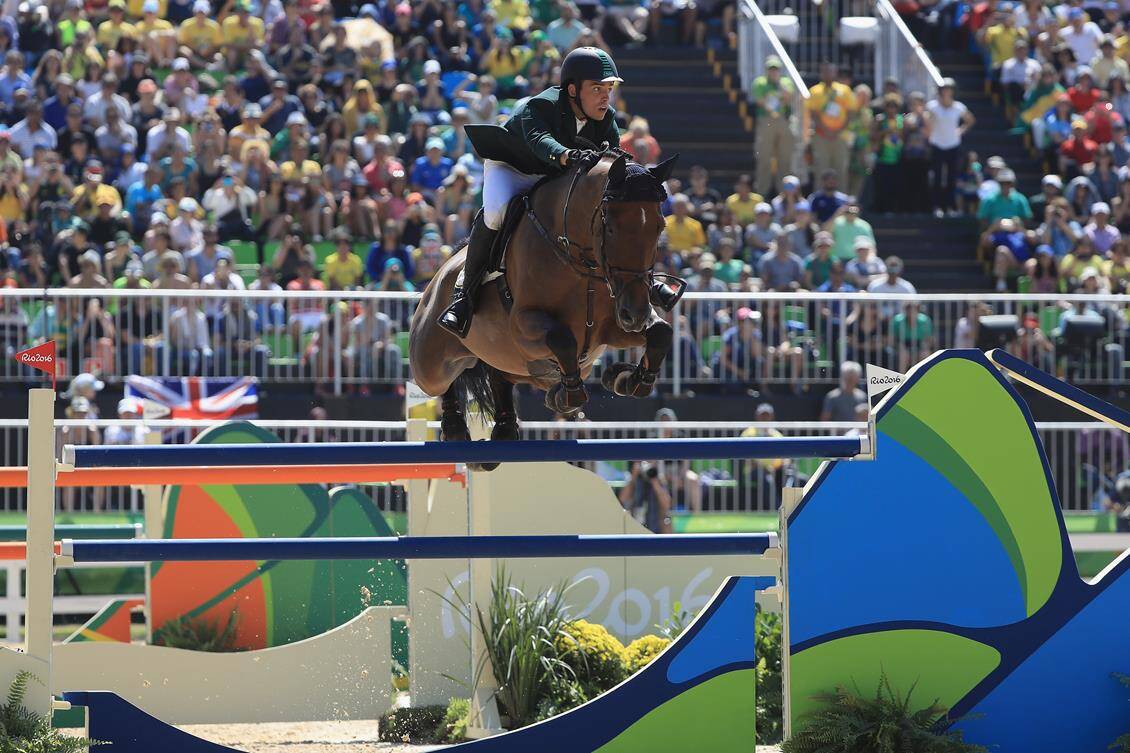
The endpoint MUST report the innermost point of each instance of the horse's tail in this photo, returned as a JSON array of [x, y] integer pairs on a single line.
[[476, 382]]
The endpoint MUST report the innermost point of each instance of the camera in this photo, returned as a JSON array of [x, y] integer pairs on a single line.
[[649, 470]]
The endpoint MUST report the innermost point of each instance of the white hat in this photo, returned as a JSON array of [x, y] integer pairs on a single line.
[[296, 118], [150, 6], [202, 6], [79, 403], [84, 380], [1053, 180], [763, 207], [1100, 207], [129, 405], [432, 66], [181, 64], [188, 205]]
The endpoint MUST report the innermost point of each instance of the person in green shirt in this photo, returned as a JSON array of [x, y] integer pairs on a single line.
[[846, 226], [1007, 204], [728, 268], [912, 333], [774, 100], [818, 265], [886, 140]]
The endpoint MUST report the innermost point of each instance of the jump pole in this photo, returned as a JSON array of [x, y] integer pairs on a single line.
[[38, 638]]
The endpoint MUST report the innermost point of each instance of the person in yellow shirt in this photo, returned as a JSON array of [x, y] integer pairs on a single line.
[[200, 37], [72, 23], [743, 201], [362, 102], [242, 33], [343, 268], [829, 107], [82, 55], [136, 9], [505, 62], [513, 14], [683, 231], [156, 35], [111, 32], [1117, 269], [1000, 37]]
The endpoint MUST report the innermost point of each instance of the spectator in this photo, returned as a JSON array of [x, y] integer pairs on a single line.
[[839, 404], [305, 312], [892, 283], [683, 231], [1007, 203], [948, 122], [1019, 73], [912, 333], [865, 266], [372, 353], [647, 498], [774, 101], [786, 202], [1103, 235], [887, 142], [801, 233], [761, 236], [830, 104], [1082, 35], [32, 131], [639, 142], [129, 409], [743, 202], [818, 266], [846, 227], [343, 268], [781, 270], [1011, 250], [827, 199], [740, 356]]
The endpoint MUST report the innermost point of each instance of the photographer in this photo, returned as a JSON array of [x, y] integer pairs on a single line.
[[647, 498]]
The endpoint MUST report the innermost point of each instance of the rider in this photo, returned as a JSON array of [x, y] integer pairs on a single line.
[[544, 135]]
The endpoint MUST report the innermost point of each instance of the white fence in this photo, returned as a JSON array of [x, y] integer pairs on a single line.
[[1085, 459], [358, 340]]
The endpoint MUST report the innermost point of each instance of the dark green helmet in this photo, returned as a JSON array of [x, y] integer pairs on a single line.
[[588, 64]]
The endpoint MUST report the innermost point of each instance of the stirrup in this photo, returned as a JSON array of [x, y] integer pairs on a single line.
[[451, 320]]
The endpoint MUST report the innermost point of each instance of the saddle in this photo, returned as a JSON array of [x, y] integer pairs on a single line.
[[496, 271]]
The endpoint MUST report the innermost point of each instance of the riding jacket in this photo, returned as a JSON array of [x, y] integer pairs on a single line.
[[538, 131]]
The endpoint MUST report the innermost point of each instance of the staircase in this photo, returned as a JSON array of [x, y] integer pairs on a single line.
[[681, 93], [940, 254]]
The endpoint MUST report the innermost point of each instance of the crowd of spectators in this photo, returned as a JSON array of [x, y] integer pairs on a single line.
[[1060, 70], [260, 144]]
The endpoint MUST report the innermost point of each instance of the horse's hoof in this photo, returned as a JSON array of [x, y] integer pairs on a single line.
[[506, 431], [454, 431], [612, 373], [482, 467], [561, 399]]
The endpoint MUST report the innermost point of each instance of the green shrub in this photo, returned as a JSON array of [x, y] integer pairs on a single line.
[[770, 699], [198, 634], [885, 723], [676, 622], [595, 655], [24, 731], [521, 639], [453, 728], [411, 725], [639, 653]]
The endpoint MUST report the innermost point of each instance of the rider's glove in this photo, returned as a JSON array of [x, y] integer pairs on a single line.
[[580, 156]]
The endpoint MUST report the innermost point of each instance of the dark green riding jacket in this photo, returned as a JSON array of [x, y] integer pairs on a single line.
[[538, 130]]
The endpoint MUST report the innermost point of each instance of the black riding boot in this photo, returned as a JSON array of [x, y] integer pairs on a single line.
[[663, 296], [457, 318]]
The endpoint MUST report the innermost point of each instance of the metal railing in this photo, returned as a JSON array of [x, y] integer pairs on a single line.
[[1085, 457], [899, 54], [358, 340], [890, 50], [757, 41]]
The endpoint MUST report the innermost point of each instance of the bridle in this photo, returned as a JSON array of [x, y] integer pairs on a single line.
[[595, 266], [591, 267]]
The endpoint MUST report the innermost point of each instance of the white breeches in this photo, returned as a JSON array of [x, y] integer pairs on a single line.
[[501, 183]]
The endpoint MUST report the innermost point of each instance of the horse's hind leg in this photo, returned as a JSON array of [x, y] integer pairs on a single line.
[[453, 423], [505, 413]]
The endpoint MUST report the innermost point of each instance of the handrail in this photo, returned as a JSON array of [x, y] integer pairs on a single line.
[[888, 10], [750, 10]]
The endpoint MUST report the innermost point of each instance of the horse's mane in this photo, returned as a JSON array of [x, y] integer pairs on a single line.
[[637, 182]]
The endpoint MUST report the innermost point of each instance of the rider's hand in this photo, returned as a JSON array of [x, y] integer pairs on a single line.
[[575, 156]]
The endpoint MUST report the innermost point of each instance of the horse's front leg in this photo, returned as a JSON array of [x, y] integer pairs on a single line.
[[627, 380], [538, 332]]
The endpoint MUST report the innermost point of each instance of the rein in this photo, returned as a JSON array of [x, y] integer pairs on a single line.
[[591, 269]]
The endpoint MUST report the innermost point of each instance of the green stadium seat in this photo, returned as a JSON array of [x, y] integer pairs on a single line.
[[244, 252], [322, 249], [710, 346], [1049, 319]]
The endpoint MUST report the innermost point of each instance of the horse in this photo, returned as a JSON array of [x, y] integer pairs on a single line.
[[592, 229]]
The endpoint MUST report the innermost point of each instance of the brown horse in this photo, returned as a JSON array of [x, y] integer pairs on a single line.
[[579, 270]]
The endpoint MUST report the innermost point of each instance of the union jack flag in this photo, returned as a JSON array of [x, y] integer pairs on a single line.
[[199, 397]]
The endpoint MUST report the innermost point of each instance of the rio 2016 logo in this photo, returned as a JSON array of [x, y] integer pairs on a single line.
[[629, 613]]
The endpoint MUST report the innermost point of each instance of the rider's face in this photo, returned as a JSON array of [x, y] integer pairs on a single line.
[[594, 98]]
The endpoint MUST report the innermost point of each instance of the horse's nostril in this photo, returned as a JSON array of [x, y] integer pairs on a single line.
[[625, 314]]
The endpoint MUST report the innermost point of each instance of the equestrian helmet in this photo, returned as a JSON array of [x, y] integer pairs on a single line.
[[589, 64]]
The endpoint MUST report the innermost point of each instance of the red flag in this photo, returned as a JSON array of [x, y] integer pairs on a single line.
[[41, 358]]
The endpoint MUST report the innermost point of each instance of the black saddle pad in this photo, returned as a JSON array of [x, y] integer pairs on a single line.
[[515, 210]]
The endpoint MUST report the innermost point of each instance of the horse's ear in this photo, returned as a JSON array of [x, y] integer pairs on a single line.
[[663, 170], [618, 170]]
